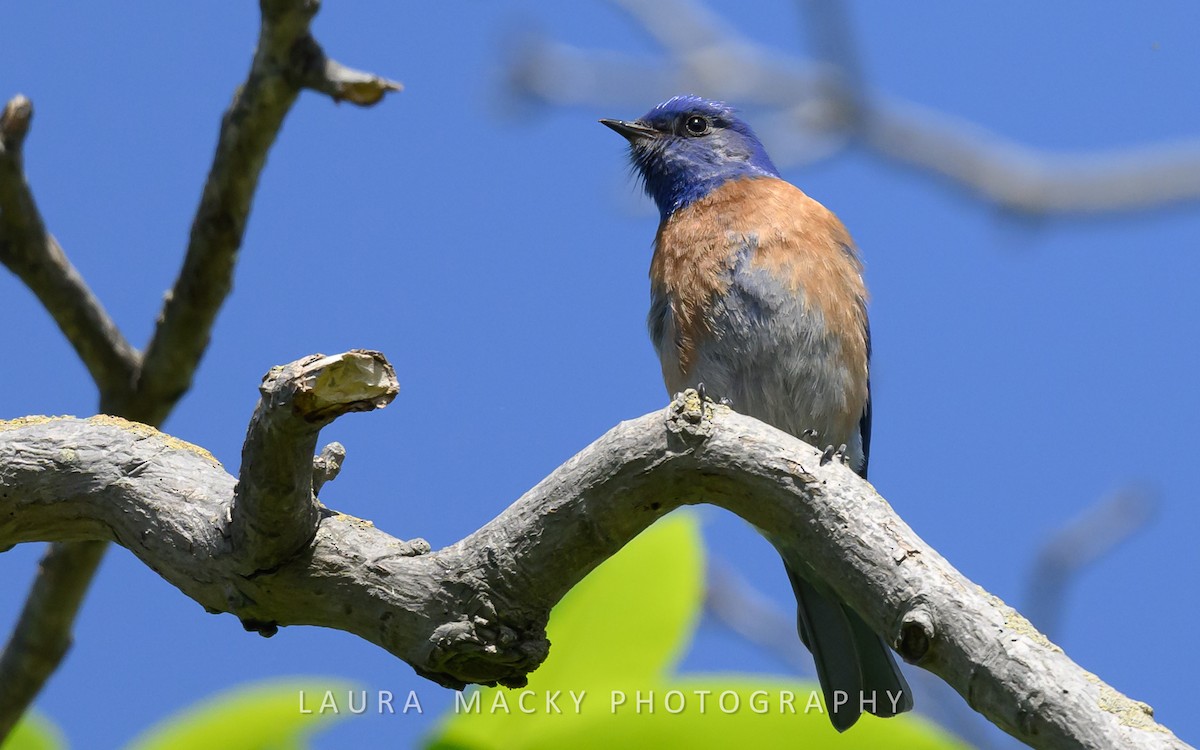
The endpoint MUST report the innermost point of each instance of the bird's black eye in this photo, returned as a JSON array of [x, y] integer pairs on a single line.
[[697, 125]]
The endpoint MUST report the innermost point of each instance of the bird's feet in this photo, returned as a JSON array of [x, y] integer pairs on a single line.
[[832, 452], [700, 389]]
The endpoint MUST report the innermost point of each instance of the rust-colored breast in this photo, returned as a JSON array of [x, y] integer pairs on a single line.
[[768, 224], [690, 268]]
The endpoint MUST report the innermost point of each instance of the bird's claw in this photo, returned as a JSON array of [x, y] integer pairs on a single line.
[[702, 391], [832, 452]]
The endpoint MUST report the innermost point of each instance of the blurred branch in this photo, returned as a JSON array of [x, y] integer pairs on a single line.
[[146, 388], [816, 108], [42, 635], [1079, 544], [1032, 181], [34, 256], [476, 611], [737, 605]]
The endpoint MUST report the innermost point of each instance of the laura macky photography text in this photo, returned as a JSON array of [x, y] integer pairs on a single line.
[[584, 701]]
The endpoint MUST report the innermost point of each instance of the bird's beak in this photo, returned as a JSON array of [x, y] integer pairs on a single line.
[[632, 130]]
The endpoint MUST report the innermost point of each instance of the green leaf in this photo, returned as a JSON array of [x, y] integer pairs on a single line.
[[263, 716], [627, 623], [35, 732], [633, 617]]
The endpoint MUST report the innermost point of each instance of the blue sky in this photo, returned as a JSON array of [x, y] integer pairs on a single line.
[[498, 255]]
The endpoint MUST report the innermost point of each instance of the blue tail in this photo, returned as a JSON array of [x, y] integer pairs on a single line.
[[856, 669]]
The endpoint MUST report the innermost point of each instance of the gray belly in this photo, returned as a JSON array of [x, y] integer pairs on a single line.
[[771, 356]]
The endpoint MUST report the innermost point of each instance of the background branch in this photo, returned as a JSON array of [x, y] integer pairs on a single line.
[[741, 608], [815, 109], [146, 388], [42, 634], [283, 64], [30, 252], [476, 611], [1080, 543]]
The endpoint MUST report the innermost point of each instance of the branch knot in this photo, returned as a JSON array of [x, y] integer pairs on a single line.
[[916, 634], [482, 651], [690, 416]]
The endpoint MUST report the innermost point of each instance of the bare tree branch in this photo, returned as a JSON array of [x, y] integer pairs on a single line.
[[42, 634], [147, 388], [275, 510], [30, 252], [286, 60], [476, 610], [815, 109], [734, 603]]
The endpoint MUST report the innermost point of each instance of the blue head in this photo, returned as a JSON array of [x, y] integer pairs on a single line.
[[687, 146]]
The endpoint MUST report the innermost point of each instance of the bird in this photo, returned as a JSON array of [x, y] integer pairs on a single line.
[[757, 299]]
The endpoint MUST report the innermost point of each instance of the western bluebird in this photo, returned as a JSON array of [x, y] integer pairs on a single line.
[[756, 292]]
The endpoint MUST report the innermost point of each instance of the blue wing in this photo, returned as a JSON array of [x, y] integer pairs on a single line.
[[864, 424]]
